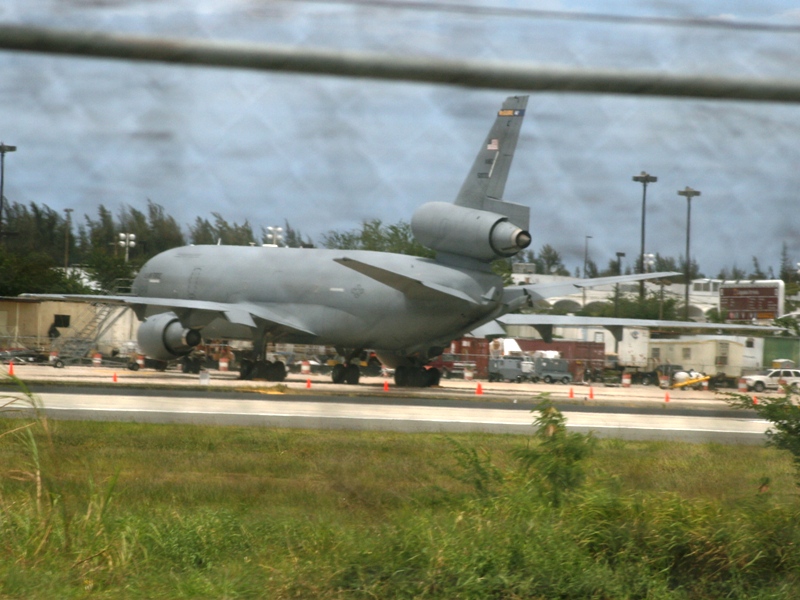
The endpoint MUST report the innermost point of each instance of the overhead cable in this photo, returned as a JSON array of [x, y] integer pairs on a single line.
[[522, 77]]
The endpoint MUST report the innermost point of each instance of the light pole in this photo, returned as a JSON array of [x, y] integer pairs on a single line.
[[688, 193], [585, 261], [3, 149], [67, 227], [276, 235], [619, 272], [127, 241], [644, 179]]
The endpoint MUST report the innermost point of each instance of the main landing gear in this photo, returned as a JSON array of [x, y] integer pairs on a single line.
[[262, 369], [416, 377], [349, 374]]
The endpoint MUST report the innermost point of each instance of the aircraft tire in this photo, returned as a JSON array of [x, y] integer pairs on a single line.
[[246, 369], [276, 371], [401, 376], [416, 377], [338, 373], [352, 374]]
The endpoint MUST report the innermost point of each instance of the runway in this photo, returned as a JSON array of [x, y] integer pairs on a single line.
[[406, 417], [638, 413]]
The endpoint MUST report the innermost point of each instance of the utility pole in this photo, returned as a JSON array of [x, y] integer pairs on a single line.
[[619, 272], [585, 261], [3, 149], [67, 227], [688, 193], [644, 179]]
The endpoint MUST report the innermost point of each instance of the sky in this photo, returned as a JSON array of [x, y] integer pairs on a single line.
[[326, 153]]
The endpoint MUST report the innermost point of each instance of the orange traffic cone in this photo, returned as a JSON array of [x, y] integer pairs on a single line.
[[571, 393], [479, 390], [666, 396], [11, 369], [115, 378], [591, 393], [755, 400], [308, 382], [385, 386]]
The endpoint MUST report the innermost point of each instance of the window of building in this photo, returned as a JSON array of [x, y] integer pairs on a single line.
[[655, 353], [686, 353], [723, 349], [61, 320]]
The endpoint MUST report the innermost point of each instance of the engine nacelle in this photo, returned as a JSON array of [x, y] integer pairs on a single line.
[[467, 231], [164, 338]]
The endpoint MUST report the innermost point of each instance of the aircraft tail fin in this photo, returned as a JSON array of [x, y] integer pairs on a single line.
[[486, 181]]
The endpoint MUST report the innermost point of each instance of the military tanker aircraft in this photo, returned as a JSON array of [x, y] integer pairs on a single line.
[[405, 308]]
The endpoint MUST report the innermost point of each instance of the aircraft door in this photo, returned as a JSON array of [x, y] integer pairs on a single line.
[[194, 279]]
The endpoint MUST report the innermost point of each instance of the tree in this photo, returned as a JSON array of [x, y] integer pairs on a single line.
[[163, 231], [293, 238], [35, 229], [551, 261], [376, 236], [203, 232], [783, 413], [109, 272], [653, 307], [694, 270], [665, 263], [35, 273], [757, 272], [102, 233]]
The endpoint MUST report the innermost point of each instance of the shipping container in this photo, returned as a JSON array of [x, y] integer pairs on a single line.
[[582, 356]]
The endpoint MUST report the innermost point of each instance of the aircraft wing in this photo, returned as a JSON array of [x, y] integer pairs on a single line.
[[239, 313], [574, 321], [541, 291]]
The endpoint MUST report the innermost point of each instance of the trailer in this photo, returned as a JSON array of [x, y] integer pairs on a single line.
[[723, 358]]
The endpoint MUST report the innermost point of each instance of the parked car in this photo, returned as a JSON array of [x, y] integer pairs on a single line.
[[772, 379]]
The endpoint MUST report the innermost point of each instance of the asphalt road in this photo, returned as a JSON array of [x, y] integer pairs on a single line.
[[172, 397]]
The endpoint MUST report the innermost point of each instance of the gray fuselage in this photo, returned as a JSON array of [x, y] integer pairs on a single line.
[[326, 302]]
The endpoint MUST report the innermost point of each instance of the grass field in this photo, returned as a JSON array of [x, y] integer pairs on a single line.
[[112, 510]]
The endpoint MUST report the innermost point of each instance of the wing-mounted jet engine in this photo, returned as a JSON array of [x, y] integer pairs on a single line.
[[162, 337]]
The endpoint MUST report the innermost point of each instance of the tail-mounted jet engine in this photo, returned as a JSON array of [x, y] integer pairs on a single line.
[[464, 231], [164, 338]]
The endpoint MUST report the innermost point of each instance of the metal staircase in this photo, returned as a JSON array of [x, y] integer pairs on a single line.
[[74, 348]]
